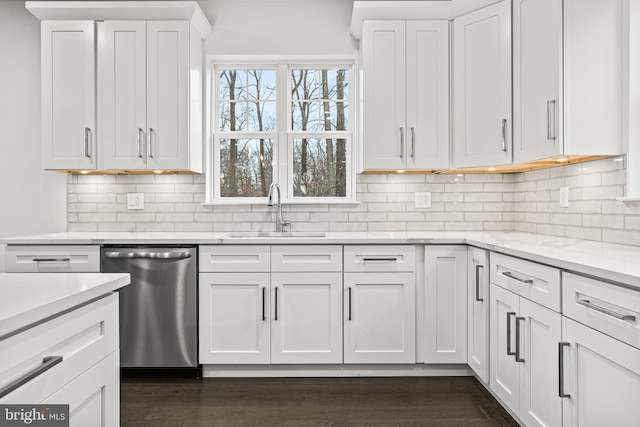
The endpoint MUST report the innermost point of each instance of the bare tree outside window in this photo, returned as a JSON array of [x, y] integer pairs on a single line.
[[247, 103], [310, 147], [319, 105]]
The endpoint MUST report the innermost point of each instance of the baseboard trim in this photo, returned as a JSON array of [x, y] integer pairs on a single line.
[[275, 371]]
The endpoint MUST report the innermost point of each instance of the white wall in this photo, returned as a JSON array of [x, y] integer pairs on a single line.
[[32, 200], [279, 27]]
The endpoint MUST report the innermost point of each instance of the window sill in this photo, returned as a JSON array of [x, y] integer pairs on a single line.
[[247, 202]]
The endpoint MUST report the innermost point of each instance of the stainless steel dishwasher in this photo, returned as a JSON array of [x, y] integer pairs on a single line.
[[158, 310]]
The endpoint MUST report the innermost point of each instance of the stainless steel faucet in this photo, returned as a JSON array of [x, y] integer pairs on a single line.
[[279, 221]]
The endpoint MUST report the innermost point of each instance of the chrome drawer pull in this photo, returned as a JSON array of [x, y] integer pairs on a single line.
[[509, 352], [391, 259], [589, 304], [47, 363], [401, 142], [561, 346], [518, 358], [478, 267], [51, 259], [510, 275]]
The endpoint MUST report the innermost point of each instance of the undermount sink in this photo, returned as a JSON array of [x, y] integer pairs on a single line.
[[254, 234]]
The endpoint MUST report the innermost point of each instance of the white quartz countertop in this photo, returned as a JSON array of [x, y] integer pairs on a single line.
[[29, 298], [614, 262]]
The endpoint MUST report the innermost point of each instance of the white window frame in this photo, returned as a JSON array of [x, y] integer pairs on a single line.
[[284, 136]]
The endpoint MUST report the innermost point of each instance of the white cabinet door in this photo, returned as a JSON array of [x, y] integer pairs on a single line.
[[537, 73], [68, 95], [234, 318], [445, 278], [540, 333], [602, 377], [504, 377], [406, 92], [306, 325], [379, 318], [168, 94], [482, 87], [478, 314], [384, 129], [122, 94], [94, 396], [427, 96]]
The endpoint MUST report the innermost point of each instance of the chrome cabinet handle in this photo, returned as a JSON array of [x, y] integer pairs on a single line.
[[504, 135], [150, 143], [518, 358], [147, 255], [276, 304], [509, 315], [401, 142], [140, 132], [389, 259], [413, 142], [620, 316], [510, 275], [349, 302], [87, 135], [561, 346], [264, 314], [47, 363], [551, 118], [51, 259], [478, 267]]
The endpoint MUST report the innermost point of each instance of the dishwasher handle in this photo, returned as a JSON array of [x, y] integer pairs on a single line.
[[147, 254]]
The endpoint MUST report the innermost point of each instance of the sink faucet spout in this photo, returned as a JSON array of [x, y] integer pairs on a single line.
[[279, 221]]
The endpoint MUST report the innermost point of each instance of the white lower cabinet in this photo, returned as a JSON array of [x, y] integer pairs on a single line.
[[380, 318], [71, 359], [306, 326], [524, 358], [599, 353], [478, 312], [601, 378], [445, 304], [287, 309], [93, 397], [234, 318]]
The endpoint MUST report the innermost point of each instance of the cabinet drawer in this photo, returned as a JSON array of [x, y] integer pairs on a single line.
[[52, 259], [306, 258], [81, 338], [379, 258], [234, 258], [608, 308], [534, 281]]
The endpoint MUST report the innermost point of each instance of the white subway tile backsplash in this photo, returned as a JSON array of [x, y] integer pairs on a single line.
[[522, 201]]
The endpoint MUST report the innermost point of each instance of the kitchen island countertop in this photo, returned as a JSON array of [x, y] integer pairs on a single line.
[[27, 299]]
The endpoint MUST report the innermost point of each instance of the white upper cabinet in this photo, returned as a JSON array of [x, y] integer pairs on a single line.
[[406, 95], [68, 95], [143, 93], [139, 79], [482, 87], [568, 77]]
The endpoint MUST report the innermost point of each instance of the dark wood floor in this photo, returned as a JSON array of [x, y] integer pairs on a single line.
[[231, 402]]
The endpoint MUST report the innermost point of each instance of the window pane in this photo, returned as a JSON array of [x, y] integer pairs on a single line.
[[329, 87], [262, 85], [240, 102], [233, 84], [246, 168], [233, 116], [319, 167], [262, 116]]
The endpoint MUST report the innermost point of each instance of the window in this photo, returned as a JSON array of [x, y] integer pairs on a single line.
[[284, 122]]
